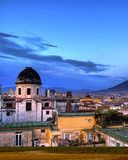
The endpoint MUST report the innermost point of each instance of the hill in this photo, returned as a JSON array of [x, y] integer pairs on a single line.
[[118, 88]]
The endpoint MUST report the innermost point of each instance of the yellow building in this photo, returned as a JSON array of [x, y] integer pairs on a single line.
[[75, 125], [70, 126]]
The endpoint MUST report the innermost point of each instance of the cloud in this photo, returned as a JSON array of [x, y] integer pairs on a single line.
[[3, 35], [11, 48]]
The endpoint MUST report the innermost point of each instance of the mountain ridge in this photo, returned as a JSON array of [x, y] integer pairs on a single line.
[[118, 88]]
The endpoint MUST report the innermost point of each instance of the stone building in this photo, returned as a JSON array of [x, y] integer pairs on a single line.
[[24, 116], [28, 104], [28, 93]]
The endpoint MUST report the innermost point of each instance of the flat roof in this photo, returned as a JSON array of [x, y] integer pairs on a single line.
[[65, 114], [117, 133], [25, 125]]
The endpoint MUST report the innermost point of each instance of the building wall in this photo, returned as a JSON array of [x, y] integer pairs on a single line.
[[61, 106], [7, 138], [46, 136], [74, 125], [40, 135], [8, 118], [28, 116], [24, 90], [45, 115], [51, 135], [76, 122]]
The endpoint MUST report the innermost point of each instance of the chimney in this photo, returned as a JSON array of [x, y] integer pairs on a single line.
[[69, 106]]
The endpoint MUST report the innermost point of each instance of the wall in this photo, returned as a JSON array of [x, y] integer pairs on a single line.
[[46, 116], [7, 138], [74, 126], [40, 135], [28, 116], [76, 122], [24, 90], [10, 118]]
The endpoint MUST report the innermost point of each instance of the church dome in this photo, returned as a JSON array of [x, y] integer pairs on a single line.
[[28, 76]]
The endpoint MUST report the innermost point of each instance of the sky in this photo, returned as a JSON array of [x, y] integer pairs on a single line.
[[74, 44]]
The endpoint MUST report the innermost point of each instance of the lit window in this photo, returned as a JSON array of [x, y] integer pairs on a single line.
[[28, 91], [28, 106]]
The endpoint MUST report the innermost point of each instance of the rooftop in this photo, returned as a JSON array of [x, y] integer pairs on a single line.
[[25, 125], [117, 133], [65, 114], [28, 76]]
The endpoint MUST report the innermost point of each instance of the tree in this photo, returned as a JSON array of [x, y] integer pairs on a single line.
[[108, 118]]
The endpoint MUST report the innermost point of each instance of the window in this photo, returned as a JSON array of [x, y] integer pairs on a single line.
[[89, 120], [47, 112], [46, 104], [28, 106], [18, 138], [9, 105], [89, 137], [37, 91], [28, 91], [19, 91], [8, 113], [67, 136], [42, 130]]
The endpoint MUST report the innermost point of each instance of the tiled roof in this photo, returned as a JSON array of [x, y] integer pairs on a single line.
[[65, 114], [117, 133], [25, 125]]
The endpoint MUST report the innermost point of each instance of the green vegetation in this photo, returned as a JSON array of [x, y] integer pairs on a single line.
[[111, 117], [69, 150]]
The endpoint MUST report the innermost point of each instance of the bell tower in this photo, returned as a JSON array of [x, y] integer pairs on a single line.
[[28, 92]]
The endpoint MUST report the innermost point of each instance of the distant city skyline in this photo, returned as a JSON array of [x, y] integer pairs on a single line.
[[74, 44]]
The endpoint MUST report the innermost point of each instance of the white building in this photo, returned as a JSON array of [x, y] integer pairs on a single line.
[[114, 136], [27, 105]]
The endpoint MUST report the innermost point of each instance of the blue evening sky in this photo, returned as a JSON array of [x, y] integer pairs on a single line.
[[75, 44]]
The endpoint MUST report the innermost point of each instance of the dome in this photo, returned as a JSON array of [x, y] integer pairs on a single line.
[[28, 76]]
